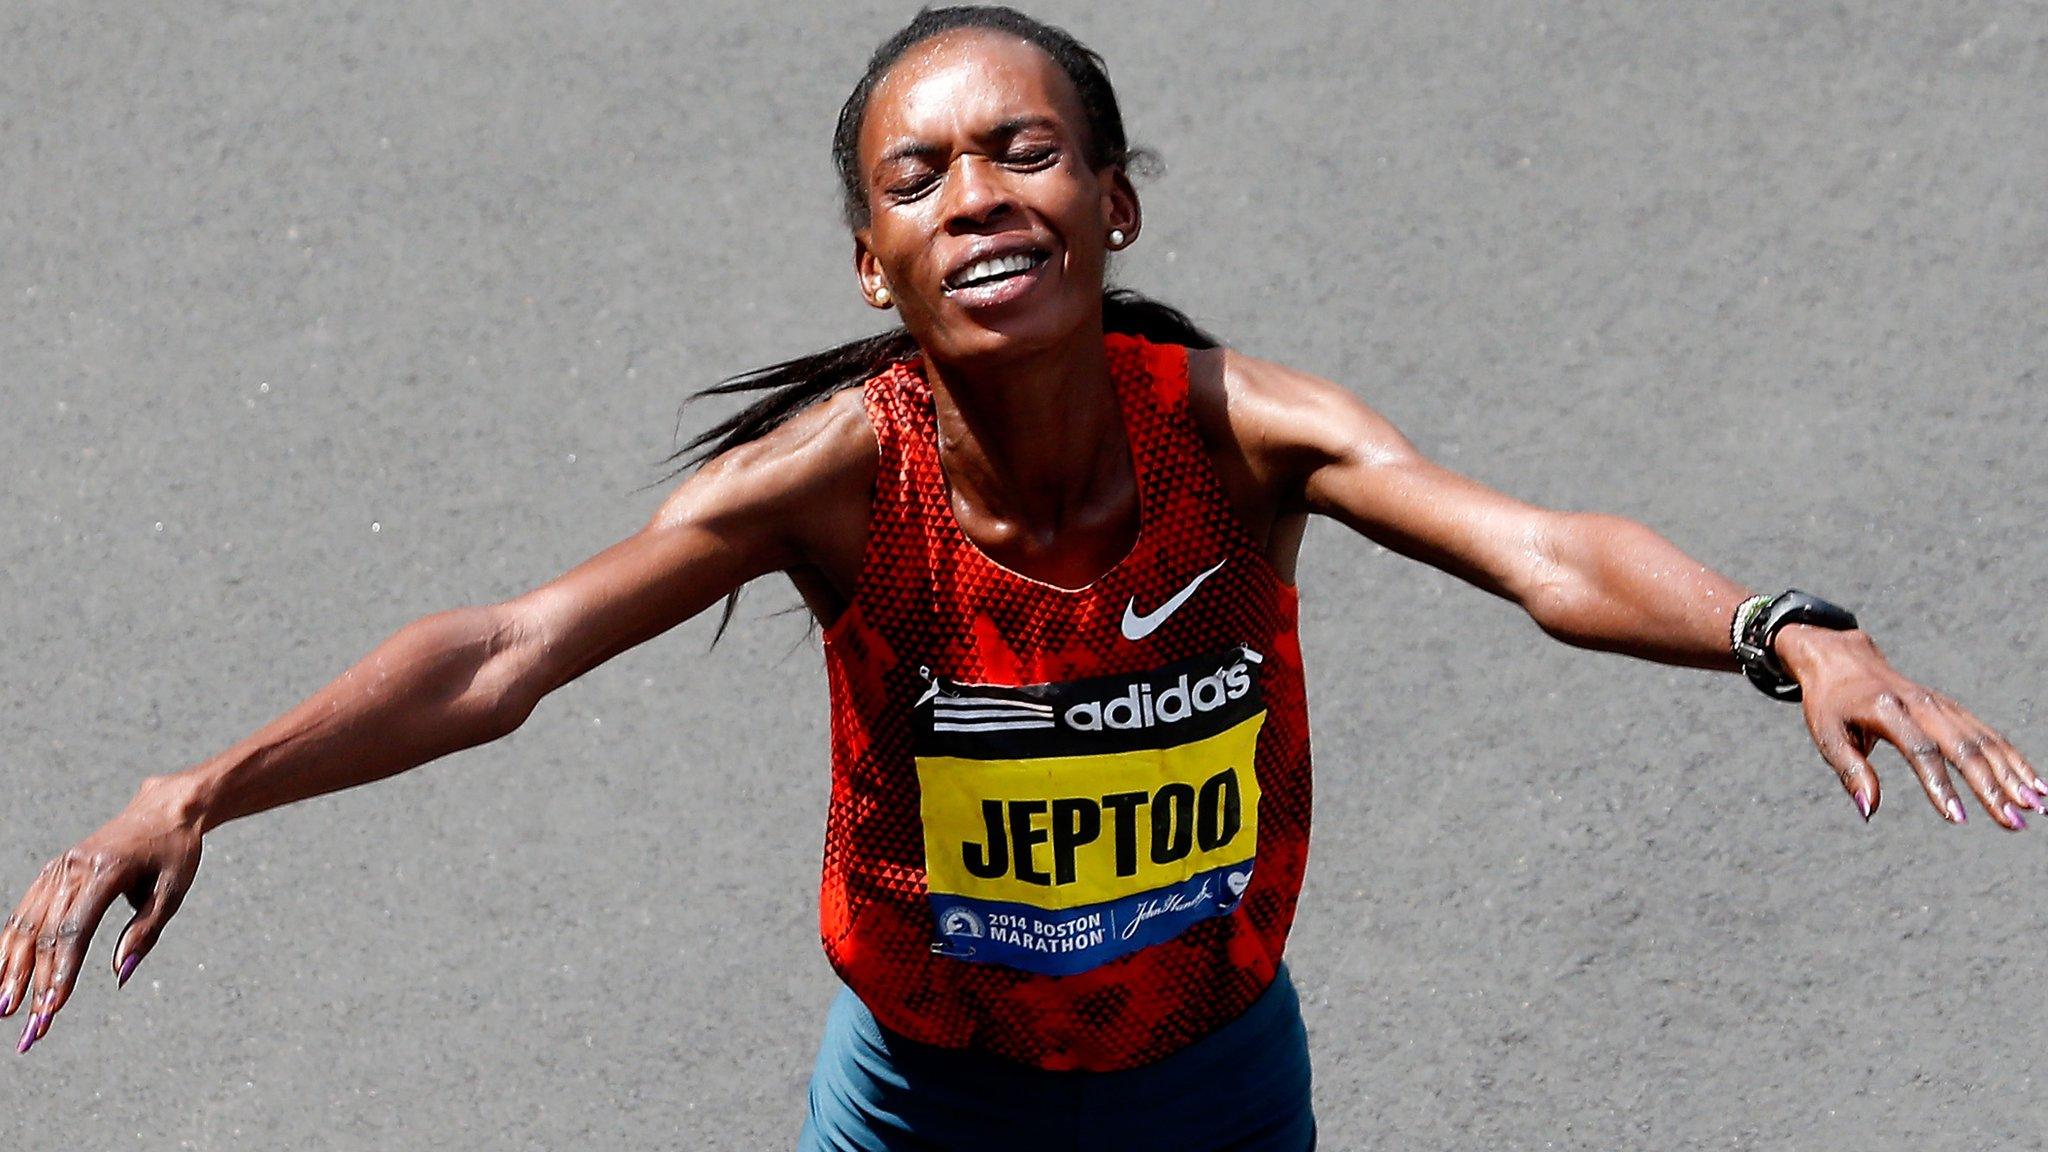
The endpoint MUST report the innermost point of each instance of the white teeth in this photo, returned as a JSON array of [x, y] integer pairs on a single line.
[[999, 266]]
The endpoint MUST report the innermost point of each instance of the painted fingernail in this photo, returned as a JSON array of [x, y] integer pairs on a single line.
[[2012, 815], [128, 968], [6, 1003], [28, 1035], [43, 1029], [1955, 811], [2028, 799], [1863, 805], [2040, 786]]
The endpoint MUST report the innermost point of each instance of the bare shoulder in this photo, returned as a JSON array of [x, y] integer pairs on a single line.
[[1279, 424], [820, 461], [799, 494]]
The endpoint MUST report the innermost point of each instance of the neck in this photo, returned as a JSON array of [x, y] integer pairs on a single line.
[[1029, 439]]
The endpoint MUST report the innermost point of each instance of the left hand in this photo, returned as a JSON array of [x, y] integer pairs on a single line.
[[1853, 698]]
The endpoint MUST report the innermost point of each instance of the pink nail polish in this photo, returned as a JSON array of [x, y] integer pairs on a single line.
[[128, 968], [1955, 811], [6, 1003], [2012, 814], [1863, 805], [28, 1035]]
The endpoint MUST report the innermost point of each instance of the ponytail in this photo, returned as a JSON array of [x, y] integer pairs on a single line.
[[794, 385]]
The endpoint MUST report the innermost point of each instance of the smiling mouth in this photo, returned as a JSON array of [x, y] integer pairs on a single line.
[[995, 270]]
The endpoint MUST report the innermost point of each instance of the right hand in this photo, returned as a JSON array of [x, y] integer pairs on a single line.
[[149, 853]]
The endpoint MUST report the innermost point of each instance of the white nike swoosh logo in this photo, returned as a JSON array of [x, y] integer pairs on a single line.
[[1138, 627]]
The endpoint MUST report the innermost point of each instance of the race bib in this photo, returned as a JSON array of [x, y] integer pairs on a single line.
[[1068, 824]]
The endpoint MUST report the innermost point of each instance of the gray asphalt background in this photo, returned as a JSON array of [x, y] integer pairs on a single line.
[[320, 317]]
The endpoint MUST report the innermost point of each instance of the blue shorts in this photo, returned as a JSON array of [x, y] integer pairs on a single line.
[[1242, 1088]]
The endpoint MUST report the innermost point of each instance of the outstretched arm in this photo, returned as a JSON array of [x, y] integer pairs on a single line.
[[1605, 582], [447, 682]]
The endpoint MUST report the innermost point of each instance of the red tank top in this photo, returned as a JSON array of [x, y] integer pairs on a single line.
[[1068, 826]]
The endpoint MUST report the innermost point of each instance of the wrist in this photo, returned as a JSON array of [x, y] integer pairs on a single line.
[[1803, 649], [1758, 623], [178, 797]]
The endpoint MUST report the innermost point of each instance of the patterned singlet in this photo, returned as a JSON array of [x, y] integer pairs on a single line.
[[1068, 826]]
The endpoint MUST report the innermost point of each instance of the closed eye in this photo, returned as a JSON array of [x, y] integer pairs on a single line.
[[1034, 158], [912, 189], [1025, 160]]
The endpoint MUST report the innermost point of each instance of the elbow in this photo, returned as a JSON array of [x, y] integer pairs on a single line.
[[481, 669], [497, 709], [1554, 606], [1557, 584], [513, 678], [506, 709], [1581, 578]]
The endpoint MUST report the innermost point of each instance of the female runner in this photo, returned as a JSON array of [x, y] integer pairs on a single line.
[[1050, 532]]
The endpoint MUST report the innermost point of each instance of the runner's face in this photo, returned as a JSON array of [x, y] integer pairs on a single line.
[[973, 148]]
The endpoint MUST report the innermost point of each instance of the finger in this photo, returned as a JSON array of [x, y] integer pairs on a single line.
[[1892, 722], [83, 892], [1858, 778], [2027, 771], [140, 936], [2018, 781], [99, 885], [1963, 746], [61, 884], [18, 943], [2002, 798], [2009, 783]]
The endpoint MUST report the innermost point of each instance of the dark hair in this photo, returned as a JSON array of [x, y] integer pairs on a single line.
[[1105, 144], [795, 385]]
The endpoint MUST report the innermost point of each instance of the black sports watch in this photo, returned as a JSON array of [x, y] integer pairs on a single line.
[[1756, 625]]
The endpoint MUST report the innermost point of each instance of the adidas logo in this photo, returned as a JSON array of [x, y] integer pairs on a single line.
[[1141, 707]]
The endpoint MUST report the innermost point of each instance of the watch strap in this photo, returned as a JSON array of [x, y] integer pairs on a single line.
[[1753, 648]]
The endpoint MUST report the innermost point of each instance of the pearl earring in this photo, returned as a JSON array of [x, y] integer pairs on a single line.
[[882, 297], [1116, 237]]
